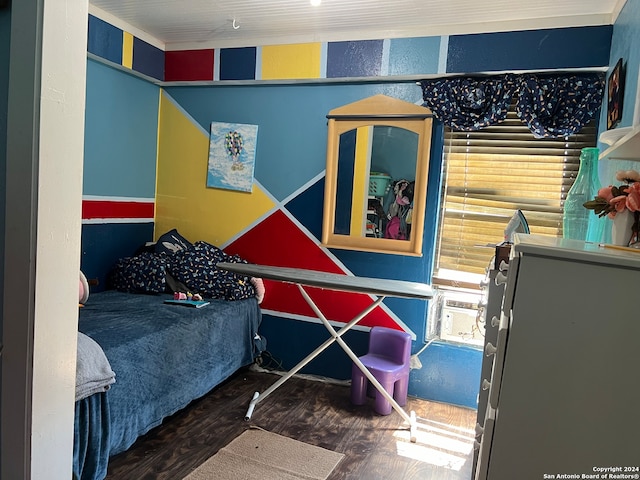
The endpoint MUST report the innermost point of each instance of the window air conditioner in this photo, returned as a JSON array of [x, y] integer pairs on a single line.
[[460, 319]]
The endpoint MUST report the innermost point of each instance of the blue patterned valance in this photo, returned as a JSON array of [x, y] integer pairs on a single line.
[[550, 105], [468, 104]]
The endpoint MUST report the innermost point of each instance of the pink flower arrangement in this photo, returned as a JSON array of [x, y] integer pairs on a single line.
[[614, 199]]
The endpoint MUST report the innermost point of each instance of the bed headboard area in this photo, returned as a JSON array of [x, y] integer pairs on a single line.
[[104, 243]]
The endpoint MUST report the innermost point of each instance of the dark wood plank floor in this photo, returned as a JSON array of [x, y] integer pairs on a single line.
[[311, 411]]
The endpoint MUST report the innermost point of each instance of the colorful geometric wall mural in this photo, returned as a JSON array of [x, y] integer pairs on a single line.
[[280, 221], [546, 49], [264, 232]]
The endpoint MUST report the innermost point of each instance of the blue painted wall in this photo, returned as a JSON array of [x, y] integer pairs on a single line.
[[625, 44], [104, 40], [104, 243], [148, 59], [414, 56], [354, 59], [107, 41], [120, 149], [554, 48], [238, 63], [121, 129]]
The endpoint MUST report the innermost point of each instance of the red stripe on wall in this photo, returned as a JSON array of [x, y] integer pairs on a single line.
[[188, 65], [116, 209]]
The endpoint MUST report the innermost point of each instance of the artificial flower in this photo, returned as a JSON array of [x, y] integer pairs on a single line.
[[633, 197], [615, 199]]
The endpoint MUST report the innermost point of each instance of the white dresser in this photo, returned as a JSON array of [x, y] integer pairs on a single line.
[[564, 392]]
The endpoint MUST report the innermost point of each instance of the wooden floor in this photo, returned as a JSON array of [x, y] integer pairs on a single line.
[[314, 412]]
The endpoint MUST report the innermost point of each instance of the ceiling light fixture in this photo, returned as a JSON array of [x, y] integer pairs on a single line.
[[315, 3]]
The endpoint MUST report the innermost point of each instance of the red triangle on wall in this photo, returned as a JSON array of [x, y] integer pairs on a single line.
[[278, 241]]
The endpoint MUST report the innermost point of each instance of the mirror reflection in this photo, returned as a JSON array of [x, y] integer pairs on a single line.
[[376, 177], [390, 155]]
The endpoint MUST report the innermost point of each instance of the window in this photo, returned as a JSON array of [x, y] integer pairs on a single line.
[[487, 175]]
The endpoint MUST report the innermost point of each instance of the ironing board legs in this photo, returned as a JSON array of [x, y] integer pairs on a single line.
[[335, 337], [257, 397], [409, 419]]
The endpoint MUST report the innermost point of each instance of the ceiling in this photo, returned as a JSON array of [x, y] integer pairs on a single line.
[[192, 24]]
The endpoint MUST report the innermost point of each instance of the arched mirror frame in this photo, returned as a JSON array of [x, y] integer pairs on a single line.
[[378, 110]]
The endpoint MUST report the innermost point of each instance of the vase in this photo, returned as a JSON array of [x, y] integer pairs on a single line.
[[578, 222], [621, 230]]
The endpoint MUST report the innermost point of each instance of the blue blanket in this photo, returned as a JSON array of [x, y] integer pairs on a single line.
[[164, 356]]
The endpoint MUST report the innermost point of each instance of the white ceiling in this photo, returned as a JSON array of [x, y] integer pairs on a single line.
[[187, 24]]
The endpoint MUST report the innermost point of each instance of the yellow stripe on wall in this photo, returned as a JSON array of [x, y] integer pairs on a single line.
[[291, 61], [360, 175], [183, 200], [127, 50]]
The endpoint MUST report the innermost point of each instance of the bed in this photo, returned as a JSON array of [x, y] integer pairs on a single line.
[[152, 359]]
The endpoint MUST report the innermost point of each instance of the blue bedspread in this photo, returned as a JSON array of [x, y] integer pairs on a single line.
[[164, 356]]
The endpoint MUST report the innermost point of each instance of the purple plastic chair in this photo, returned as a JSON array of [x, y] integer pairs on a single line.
[[388, 362]]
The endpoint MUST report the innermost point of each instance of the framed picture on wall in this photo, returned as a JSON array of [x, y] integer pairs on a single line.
[[615, 92], [232, 153]]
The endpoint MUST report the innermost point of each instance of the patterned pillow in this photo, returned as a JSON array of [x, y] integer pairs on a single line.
[[172, 242], [144, 273], [196, 268]]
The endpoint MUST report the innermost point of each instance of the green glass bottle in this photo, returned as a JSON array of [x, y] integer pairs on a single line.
[[579, 223]]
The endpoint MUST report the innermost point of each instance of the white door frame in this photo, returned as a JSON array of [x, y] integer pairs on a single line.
[[45, 141]]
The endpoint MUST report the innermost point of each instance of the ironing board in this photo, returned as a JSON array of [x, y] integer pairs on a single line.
[[346, 283]]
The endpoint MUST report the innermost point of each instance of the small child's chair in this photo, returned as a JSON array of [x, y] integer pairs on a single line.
[[388, 361]]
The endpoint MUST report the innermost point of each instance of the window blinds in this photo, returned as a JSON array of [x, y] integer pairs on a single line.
[[487, 175]]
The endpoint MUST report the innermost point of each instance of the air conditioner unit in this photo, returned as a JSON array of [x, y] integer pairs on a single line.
[[460, 320]]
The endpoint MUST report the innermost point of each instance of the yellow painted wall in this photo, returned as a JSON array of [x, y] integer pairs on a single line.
[[291, 61], [127, 49], [360, 175]]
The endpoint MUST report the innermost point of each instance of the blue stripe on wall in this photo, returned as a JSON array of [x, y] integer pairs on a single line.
[[238, 63], [104, 243], [533, 49], [120, 134], [148, 59], [354, 59], [414, 56], [104, 40]]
